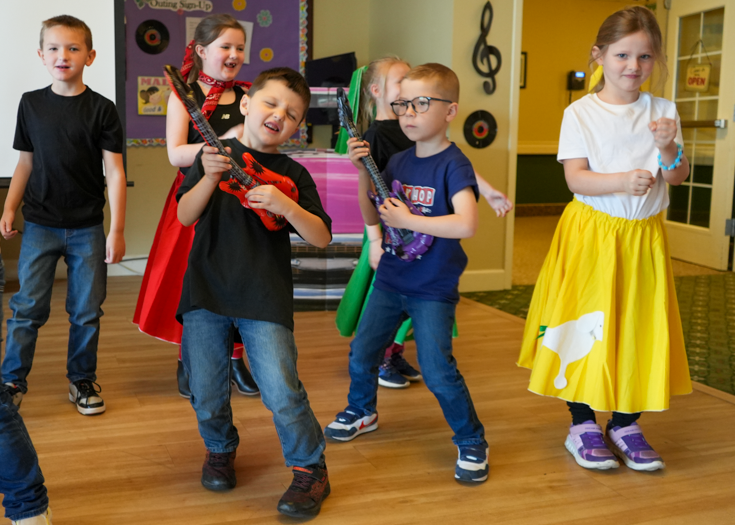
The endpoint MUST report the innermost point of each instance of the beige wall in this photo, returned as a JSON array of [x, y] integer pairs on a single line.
[[558, 35], [446, 31], [418, 31], [442, 31]]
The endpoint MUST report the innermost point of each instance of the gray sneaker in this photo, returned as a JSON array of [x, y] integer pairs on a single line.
[[84, 394]]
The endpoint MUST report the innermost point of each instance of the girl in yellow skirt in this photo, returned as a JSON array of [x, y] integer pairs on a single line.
[[603, 330]]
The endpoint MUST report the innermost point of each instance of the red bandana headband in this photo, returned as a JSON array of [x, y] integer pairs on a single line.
[[217, 87]]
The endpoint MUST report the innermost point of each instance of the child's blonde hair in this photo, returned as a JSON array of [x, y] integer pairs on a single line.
[[626, 22], [376, 74], [207, 31], [444, 79], [70, 22]]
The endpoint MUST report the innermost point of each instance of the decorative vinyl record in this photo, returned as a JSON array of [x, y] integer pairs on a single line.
[[480, 129], [152, 37]]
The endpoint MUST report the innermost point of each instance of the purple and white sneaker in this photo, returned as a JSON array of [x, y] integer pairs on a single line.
[[587, 444], [629, 445]]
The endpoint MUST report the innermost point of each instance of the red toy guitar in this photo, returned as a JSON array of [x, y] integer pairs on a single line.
[[241, 179]]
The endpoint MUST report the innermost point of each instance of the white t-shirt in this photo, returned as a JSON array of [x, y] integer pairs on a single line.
[[615, 138]]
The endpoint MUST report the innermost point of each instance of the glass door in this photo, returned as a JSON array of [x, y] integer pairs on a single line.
[[701, 82]]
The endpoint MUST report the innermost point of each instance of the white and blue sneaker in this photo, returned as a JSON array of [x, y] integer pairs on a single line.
[[472, 463], [348, 425]]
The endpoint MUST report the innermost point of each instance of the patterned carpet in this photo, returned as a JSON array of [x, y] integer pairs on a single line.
[[707, 306]]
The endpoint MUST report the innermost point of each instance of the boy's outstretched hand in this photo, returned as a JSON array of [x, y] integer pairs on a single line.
[[114, 248], [498, 201], [6, 225]]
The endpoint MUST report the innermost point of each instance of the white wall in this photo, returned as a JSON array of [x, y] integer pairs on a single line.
[[20, 26]]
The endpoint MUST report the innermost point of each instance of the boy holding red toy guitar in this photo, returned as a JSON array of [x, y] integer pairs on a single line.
[[239, 274], [440, 182]]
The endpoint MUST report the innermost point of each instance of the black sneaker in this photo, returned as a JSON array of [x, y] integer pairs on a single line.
[[389, 377], [218, 471], [182, 380], [242, 379], [84, 394], [404, 367], [303, 499], [15, 393]]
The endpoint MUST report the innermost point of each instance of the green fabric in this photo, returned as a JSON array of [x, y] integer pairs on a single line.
[[355, 298], [354, 99]]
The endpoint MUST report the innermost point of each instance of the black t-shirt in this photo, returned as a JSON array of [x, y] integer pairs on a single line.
[[66, 188], [237, 267], [386, 138], [224, 117]]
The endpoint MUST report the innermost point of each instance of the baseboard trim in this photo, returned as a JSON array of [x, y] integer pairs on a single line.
[[537, 210], [133, 265], [483, 280], [719, 394]]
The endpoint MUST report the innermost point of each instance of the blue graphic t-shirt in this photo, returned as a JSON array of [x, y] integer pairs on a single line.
[[430, 183]]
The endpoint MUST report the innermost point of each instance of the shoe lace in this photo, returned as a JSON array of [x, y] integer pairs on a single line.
[[302, 482], [398, 360], [86, 387], [218, 459]]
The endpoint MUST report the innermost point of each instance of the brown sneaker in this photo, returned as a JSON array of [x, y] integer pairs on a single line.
[[304, 497], [218, 471]]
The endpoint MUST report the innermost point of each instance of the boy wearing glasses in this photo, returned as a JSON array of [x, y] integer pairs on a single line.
[[441, 183]]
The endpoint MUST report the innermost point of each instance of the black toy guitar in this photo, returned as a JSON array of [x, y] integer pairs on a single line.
[[406, 244], [241, 179]]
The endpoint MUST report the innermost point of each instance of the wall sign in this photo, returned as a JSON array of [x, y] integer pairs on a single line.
[[177, 5], [698, 78]]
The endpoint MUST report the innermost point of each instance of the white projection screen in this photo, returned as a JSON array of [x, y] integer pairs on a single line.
[[20, 25]]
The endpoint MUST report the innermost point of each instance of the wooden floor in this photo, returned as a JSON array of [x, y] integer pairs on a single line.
[[139, 463]]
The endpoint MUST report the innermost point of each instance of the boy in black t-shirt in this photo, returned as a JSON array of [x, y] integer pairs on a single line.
[[65, 133], [239, 274]]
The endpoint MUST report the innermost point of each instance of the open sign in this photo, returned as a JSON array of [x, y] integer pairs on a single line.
[[698, 78]]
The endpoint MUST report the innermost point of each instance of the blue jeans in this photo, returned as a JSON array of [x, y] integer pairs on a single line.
[[83, 250], [432, 329], [272, 355], [21, 481]]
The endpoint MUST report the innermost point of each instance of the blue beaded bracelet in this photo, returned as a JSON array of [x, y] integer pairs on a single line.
[[677, 160]]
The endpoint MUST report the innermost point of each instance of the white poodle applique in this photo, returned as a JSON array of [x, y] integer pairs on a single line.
[[572, 341]]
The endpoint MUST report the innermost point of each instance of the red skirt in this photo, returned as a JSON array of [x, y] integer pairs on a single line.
[[160, 292]]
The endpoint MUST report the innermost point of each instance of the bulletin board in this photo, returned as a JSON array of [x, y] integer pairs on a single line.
[[157, 32]]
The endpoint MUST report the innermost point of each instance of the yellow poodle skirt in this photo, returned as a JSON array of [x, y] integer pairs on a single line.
[[603, 327]]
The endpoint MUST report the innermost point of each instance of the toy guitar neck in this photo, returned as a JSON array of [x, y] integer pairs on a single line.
[[406, 244], [253, 175], [186, 95]]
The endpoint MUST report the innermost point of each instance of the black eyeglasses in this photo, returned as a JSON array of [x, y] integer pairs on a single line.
[[419, 105]]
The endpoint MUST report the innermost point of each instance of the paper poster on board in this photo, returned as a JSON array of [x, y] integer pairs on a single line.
[[153, 95], [192, 22]]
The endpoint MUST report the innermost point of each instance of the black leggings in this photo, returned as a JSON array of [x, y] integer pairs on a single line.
[[582, 413]]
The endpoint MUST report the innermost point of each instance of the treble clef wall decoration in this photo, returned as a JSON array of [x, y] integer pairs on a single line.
[[483, 51]]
